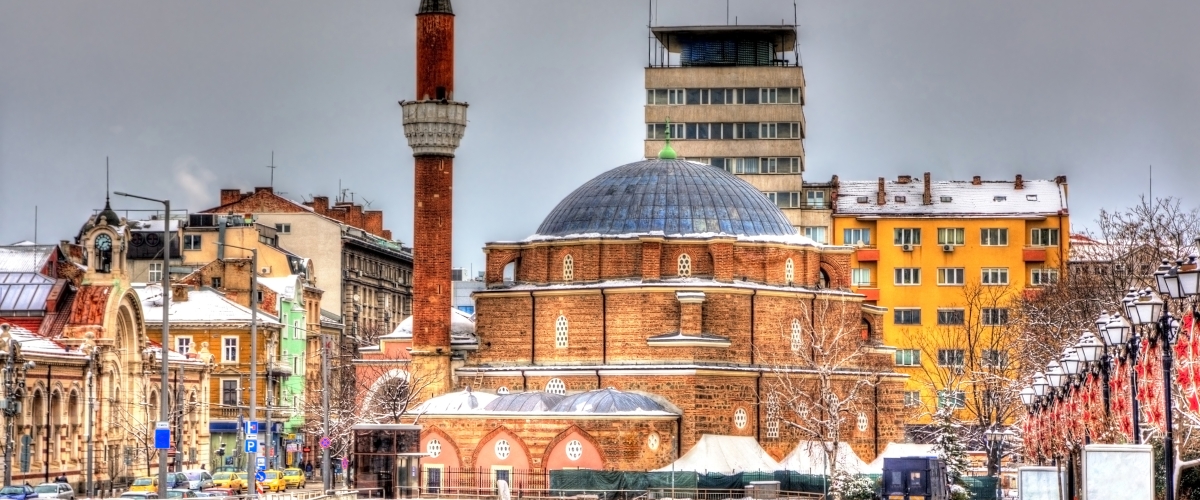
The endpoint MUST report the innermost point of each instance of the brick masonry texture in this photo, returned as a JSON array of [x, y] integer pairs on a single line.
[[431, 252]]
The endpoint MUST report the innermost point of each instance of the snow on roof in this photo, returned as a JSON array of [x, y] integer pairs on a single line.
[[790, 239], [24, 258], [152, 225], [667, 282], [461, 325], [34, 344], [285, 286], [963, 198], [153, 348], [724, 454], [203, 307], [467, 401]]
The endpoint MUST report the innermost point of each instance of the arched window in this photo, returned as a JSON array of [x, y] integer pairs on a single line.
[[796, 339], [685, 265], [556, 386], [560, 332], [789, 270], [103, 253], [824, 282], [568, 268]]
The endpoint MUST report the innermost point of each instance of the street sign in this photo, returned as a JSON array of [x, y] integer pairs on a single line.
[[325, 442], [162, 435], [251, 446], [260, 476], [252, 428], [345, 463], [260, 463]]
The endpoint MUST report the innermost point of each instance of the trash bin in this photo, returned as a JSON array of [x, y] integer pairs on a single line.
[[763, 490]]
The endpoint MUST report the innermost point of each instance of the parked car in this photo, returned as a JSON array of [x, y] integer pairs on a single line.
[[140, 495], [230, 480], [198, 479], [150, 483], [216, 493], [18, 492], [229, 468], [294, 477], [59, 491], [180, 493], [274, 481]]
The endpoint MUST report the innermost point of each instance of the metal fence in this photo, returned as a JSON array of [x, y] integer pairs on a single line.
[[535, 483]]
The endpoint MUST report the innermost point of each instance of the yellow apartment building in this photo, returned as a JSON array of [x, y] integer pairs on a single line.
[[947, 258]]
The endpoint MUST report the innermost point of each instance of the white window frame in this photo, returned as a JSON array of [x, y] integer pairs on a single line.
[[179, 344], [956, 399], [816, 233], [283, 227], [907, 309], [814, 197], [237, 393], [912, 398], [994, 276], [907, 276], [1042, 236], [860, 276], [676, 97], [685, 264], [908, 357], [1043, 276], [993, 237], [906, 236], [225, 349], [852, 236], [784, 199], [561, 332], [154, 274], [951, 276], [956, 236]]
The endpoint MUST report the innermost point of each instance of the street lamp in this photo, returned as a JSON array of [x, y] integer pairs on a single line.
[[251, 456], [166, 327], [92, 352], [14, 369], [1177, 283]]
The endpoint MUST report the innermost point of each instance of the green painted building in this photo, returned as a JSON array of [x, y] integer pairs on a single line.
[[288, 369]]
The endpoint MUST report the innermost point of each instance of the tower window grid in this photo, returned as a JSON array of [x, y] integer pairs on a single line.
[[685, 265], [560, 332]]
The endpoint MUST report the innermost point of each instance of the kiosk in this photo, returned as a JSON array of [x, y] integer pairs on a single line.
[[386, 460]]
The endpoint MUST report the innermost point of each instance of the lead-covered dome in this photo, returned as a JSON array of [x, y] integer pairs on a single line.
[[668, 196]]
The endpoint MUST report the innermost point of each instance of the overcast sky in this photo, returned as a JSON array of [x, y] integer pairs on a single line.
[[187, 98]]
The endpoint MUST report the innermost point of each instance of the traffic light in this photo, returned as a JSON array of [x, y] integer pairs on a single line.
[[221, 450]]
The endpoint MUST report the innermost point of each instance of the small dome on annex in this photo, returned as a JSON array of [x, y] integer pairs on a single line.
[[665, 196], [606, 401]]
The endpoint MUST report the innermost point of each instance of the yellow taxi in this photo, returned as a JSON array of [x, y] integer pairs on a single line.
[[293, 477], [232, 480], [274, 482], [144, 484]]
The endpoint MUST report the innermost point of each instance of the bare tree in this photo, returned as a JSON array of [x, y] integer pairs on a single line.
[[821, 379]]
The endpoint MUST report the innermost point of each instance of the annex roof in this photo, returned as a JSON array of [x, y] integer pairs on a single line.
[[34, 344], [24, 292], [203, 308], [1037, 198], [724, 454], [24, 257]]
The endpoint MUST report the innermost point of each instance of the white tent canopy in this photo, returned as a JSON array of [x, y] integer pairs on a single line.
[[724, 454], [808, 457], [899, 450]]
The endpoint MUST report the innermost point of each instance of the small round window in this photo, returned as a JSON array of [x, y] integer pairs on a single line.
[[434, 448], [502, 449], [574, 449], [502, 390], [556, 386], [739, 418], [652, 441]]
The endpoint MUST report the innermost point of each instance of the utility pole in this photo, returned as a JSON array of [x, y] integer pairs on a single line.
[[251, 456], [326, 479]]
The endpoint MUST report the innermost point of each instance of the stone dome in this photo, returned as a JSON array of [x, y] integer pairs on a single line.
[[667, 196], [456, 402], [607, 401]]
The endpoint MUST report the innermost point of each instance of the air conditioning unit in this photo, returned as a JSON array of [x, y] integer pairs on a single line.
[[906, 247], [947, 248], [265, 271]]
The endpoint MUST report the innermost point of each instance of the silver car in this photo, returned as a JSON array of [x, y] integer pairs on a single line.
[[59, 491], [198, 479]]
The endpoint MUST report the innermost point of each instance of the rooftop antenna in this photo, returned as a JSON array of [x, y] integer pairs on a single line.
[[272, 167], [106, 180], [727, 12], [35, 221], [368, 202]]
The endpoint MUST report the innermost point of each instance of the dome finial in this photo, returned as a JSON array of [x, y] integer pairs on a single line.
[[667, 153]]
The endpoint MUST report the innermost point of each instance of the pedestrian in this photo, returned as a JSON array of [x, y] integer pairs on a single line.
[[502, 490], [308, 469]]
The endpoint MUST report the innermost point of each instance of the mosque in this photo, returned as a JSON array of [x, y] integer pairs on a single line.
[[659, 302]]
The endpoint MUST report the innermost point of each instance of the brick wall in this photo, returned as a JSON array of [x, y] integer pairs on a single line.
[[620, 260], [432, 233], [584, 332]]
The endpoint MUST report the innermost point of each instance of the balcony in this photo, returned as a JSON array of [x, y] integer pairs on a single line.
[[226, 412], [867, 254], [1034, 254], [870, 292]]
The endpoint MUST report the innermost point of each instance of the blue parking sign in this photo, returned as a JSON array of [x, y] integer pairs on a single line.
[[251, 446], [162, 435]]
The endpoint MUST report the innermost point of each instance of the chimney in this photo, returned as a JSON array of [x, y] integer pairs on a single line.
[[881, 195], [229, 196], [261, 189], [373, 221], [691, 312], [904, 179], [354, 217], [927, 197], [387, 234], [975, 181], [320, 204], [1020, 183], [179, 292]]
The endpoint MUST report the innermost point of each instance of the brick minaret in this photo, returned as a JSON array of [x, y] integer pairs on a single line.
[[433, 124]]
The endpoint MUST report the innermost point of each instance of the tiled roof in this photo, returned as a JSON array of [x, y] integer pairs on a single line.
[[203, 308], [960, 198]]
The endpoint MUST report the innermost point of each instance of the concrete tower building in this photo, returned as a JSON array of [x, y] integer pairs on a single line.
[[434, 124], [733, 97]]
